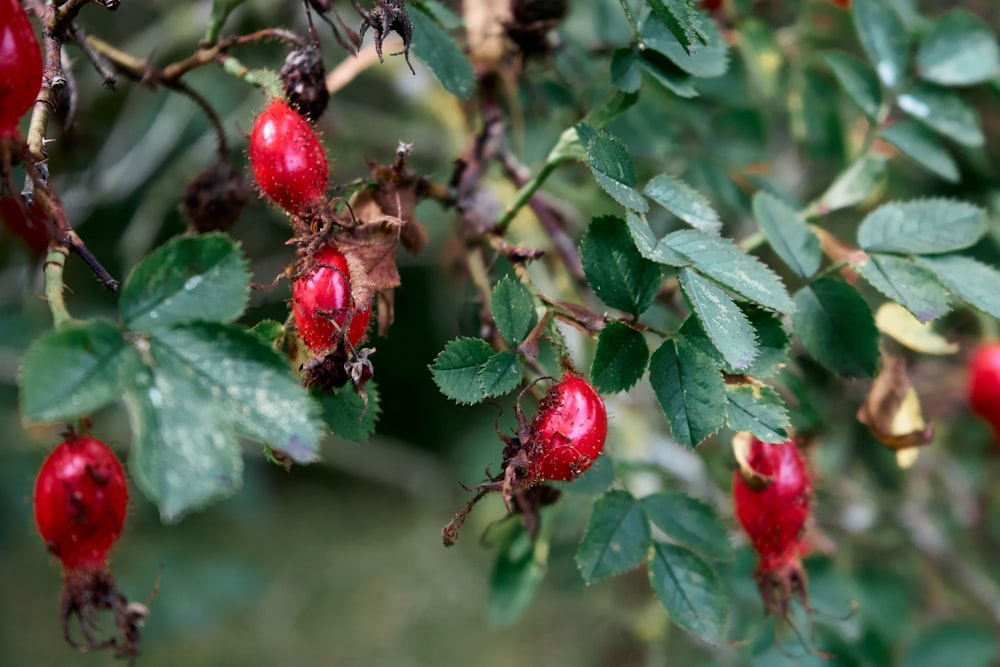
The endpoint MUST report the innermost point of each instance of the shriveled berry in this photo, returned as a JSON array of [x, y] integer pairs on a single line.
[[304, 80], [214, 199], [20, 65], [287, 157], [80, 502], [567, 433], [324, 306]]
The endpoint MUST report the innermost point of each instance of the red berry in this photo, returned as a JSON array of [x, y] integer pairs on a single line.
[[20, 65], [26, 224], [568, 432], [322, 303], [287, 157], [984, 384], [80, 502], [711, 5]]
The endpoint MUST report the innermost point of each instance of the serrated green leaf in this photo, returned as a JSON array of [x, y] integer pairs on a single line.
[[501, 374], [513, 310], [690, 591], [690, 389], [959, 50], [347, 415], [914, 287], [726, 325], [683, 201], [772, 340], [189, 278], [443, 56], [648, 245], [625, 70], [689, 522], [611, 164], [922, 227], [72, 372], [456, 369], [922, 147], [790, 237], [519, 570], [185, 453], [249, 382], [617, 538], [759, 410], [620, 358], [884, 39], [710, 59], [836, 326], [685, 24], [854, 185], [721, 260], [970, 280], [616, 271], [858, 80], [945, 112], [667, 74]]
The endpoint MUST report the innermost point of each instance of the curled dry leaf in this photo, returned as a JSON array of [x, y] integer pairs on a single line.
[[892, 409], [894, 320], [742, 442]]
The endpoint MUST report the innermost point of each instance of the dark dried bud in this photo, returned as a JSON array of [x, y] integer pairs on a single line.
[[214, 199], [304, 81]]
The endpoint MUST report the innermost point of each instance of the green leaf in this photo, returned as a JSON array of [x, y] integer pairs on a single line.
[[619, 275], [617, 538], [721, 260], [945, 112], [771, 336], [704, 61], [689, 522], [269, 331], [836, 326], [648, 245], [884, 38], [758, 409], [620, 358], [858, 81], [501, 374], [513, 310], [854, 185], [952, 642], [72, 372], [922, 227], [684, 23], [443, 56], [960, 50], [189, 278], [723, 321], [690, 591], [790, 237], [922, 147], [519, 570], [683, 201], [970, 280], [612, 166], [625, 71], [184, 453], [690, 390], [762, 56], [667, 74], [249, 382], [345, 412], [914, 287], [456, 369]]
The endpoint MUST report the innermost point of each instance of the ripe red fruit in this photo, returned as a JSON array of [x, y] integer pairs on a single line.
[[773, 516], [20, 66], [984, 384], [568, 431], [80, 502], [323, 303], [28, 224], [287, 157]]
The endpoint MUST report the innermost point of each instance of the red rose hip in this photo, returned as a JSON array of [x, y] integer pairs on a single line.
[[287, 157], [323, 303], [983, 387], [20, 66], [568, 431]]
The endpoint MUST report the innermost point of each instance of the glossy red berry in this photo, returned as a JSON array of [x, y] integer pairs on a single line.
[[80, 502], [20, 65], [568, 431], [323, 304], [984, 384], [287, 157], [28, 224]]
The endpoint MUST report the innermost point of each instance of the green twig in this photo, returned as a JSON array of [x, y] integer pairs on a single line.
[[54, 263]]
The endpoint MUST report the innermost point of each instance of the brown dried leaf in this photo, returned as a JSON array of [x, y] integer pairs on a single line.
[[892, 409]]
